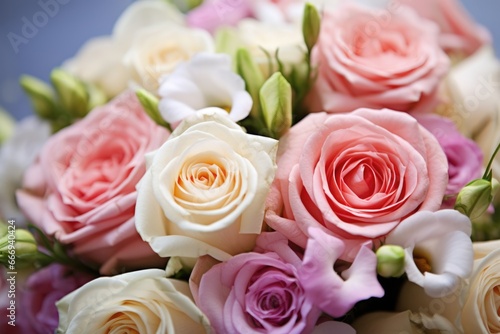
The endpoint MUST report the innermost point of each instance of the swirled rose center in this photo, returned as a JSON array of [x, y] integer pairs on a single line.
[[209, 181], [273, 299]]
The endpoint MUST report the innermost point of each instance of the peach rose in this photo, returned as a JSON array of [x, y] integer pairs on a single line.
[[357, 175], [377, 58], [81, 188]]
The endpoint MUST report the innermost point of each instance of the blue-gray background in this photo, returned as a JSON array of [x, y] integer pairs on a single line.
[[76, 21]]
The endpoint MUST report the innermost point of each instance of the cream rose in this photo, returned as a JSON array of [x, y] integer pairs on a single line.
[[157, 50], [473, 87], [148, 40], [137, 302], [261, 38], [205, 188], [481, 300]]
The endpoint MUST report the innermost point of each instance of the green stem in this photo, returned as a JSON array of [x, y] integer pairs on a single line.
[[488, 167]]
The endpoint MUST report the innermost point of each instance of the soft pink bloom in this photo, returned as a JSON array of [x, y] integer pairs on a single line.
[[43, 289], [377, 58], [357, 175], [465, 158], [459, 32], [82, 186], [335, 294], [213, 14], [255, 292]]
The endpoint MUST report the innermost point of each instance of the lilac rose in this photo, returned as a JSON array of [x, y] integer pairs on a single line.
[[255, 292], [43, 289], [465, 158]]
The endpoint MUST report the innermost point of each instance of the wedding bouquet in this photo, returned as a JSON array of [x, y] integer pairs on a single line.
[[233, 166]]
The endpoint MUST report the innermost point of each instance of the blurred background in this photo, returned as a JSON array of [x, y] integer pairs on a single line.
[[75, 21]]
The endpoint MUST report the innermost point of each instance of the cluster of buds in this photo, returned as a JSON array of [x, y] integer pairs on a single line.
[[18, 247]]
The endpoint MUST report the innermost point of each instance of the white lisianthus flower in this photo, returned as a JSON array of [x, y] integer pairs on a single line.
[[16, 155], [137, 302], [205, 189], [205, 81], [438, 249]]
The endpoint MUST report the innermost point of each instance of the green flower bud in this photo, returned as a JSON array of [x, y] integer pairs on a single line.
[[17, 247], [475, 198], [41, 95], [311, 23], [72, 93], [149, 103], [250, 72], [7, 125], [390, 261], [276, 101]]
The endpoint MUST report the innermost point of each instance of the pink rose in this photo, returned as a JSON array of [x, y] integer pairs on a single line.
[[355, 175], [377, 59], [43, 289], [465, 159], [459, 33], [82, 186], [255, 292]]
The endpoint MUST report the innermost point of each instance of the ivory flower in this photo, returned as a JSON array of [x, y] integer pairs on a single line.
[[205, 81], [205, 189], [159, 49], [438, 249], [136, 302], [100, 60]]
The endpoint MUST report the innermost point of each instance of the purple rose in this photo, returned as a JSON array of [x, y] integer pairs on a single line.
[[255, 292], [43, 289], [465, 158]]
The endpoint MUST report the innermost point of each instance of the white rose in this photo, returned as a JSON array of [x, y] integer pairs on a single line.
[[474, 90], [158, 50], [100, 60], [481, 300], [261, 37], [205, 188], [137, 302]]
